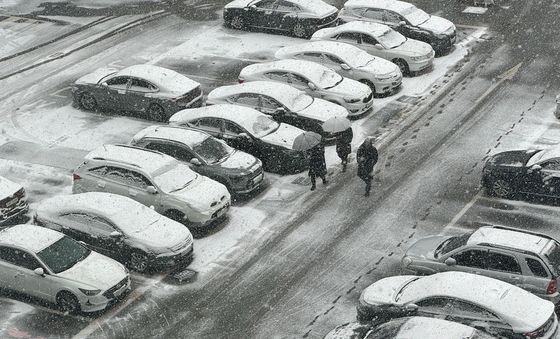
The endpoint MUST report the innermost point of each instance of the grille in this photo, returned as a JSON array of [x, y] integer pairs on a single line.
[[368, 98], [109, 294]]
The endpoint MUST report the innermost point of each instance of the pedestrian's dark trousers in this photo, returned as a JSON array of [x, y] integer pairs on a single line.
[[313, 178], [367, 179]]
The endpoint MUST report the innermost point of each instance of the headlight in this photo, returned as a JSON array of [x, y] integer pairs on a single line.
[[383, 77], [89, 293], [352, 100], [419, 58]]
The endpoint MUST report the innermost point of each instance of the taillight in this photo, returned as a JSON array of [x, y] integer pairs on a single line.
[[241, 80], [76, 177], [535, 334], [552, 286]]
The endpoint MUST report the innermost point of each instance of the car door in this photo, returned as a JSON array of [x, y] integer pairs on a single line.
[[467, 313], [238, 138], [286, 14], [470, 260], [9, 273], [302, 83], [278, 76], [115, 93], [434, 307], [371, 45], [212, 126], [546, 181], [348, 38], [135, 186], [139, 94], [504, 266], [103, 238], [536, 282], [333, 62], [180, 152], [263, 14], [245, 99]]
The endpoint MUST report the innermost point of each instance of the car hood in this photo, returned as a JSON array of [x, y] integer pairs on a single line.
[[350, 89], [239, 160], [425, 247], [201, 193], [238, 4], [161, 235], [284, 136], [323, 110], [517, 158], [8, 187], [413, 47], [437, 25], [384, 291], [94, 77], [97, 271], [381, 67]]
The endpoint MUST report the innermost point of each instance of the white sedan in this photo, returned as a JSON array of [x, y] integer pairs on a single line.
[[497, 307], [316, 80], [48, 265], [380, 75], [380, 40]]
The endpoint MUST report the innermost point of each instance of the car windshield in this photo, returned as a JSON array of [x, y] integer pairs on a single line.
[[300, 102], [175, 178], [403, 287], [329, 79], [415, 16], [212, 150], [552, 253], [391, 39], [63, 254], [451, 244], [263, 126]]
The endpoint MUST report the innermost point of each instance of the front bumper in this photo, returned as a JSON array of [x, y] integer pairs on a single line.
[[106, 299], [387, 86], [417, 66], [173, 259], [250, 184], [10, 213], [208, 219], [359, 108]]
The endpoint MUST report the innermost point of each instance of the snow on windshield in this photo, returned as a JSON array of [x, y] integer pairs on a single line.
[[300, 102], [175, 178], [212, 150], [328, 79], [263, 125], [415, 16], [391, 39]]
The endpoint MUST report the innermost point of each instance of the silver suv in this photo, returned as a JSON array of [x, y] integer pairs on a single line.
[[153, 179], [526, 259]]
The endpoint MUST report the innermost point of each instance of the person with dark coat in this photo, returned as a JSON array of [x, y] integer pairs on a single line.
[[343, 146], [317, 164], [367, 158]]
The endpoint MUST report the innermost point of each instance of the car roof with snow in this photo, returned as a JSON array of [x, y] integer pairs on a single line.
[[431, 328], [147, 160], [346, 52], [186, 136], [370, 28], [277, 90], [243, 116], [544, 155], [31, 237], [312, 70], [392, 5], [505, 300], [508, 238], [159, 76], [311, 6]]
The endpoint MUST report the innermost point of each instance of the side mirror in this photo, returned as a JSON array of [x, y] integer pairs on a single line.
[[279, 111], [151, 189], [402, 23], [411, 308], [39, 271], [378, 46], [450, 262], [312, 86], [104, 84], [345, 67], [195, 162], [243, 135], [115, 234], [535, 168]]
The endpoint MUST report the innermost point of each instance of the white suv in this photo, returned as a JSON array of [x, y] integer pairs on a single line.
[[153, 179]]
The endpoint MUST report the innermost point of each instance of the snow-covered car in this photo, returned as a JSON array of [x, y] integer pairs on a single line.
[[240, 172], [512, 174], [500, 309], [405, 328], [405, 18], [298, 17], [153, 92], [118, 227], [523, 258], [412, 56], [282, 102], [248, 130], [316, 80], [50, 266], [153, 179], [380, 75], [13, 201]]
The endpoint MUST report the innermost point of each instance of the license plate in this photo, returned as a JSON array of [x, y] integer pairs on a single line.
[[222, 211], [258, 178], [11, 202]]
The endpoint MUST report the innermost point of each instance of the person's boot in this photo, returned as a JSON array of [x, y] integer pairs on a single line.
[[325, 182], [366, 194], [344, 166], [313, 187]]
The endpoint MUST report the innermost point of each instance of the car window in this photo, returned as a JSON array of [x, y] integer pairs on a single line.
[[368, 40], [277, 76], [391, 17], [536, 267], [177, 152], [266, 4], [297, 80], [269, 103], [101, 170], [471, 258], [140, 85], [285, 6], [135, 179], [248, 99], [118, 82], [19, 258], [552, 165], [89, 224], [233, 129], [348, 37], [434, 304], [503, 262], [210, 124], [315, 57], [333, 59], [373, 13], [466, 309]]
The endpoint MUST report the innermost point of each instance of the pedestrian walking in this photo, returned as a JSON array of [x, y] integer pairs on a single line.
[[317, 164], [367, 158], [344, 146], [557, 111]]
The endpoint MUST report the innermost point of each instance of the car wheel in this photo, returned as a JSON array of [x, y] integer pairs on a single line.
[[299, 31], [501, 188], [88, 102], [67, 302], [237, 22], [403, 66], [369, 84], [156, 112], [138, 261]]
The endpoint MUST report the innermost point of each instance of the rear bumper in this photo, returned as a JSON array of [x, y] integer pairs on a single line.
[[174, 258], [16, 211]]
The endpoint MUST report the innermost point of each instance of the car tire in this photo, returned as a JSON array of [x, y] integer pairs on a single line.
[[138, 261], [501, 188], [403, 66], [88, 102], [369, 84], [156, 113], [299, 31], [67, 302], [237, 22]]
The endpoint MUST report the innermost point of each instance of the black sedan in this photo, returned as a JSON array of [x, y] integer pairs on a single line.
[[250, 131], [151, 91], [298, 17], [530, 172]]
